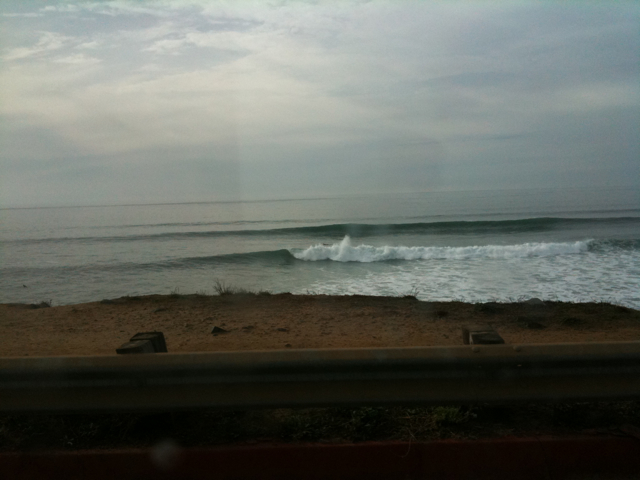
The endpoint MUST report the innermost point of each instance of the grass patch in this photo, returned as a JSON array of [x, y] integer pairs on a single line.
[[220, 288], [43, 304], [224, 289], [412, 294]]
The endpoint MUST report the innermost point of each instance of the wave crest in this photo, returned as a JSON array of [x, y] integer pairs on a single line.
[[345, 252]]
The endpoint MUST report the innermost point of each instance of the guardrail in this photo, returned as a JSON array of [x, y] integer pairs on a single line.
[[314, 378]]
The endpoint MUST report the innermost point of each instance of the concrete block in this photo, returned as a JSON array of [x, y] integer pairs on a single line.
[[481, 335], [156, 339], [138, 346], [474, 328], [485, 338]]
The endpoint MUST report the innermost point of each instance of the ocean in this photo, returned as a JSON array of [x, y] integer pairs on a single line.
[[476, 246]]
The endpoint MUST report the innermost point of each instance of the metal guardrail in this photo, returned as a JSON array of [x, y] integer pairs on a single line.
[[314, 378]]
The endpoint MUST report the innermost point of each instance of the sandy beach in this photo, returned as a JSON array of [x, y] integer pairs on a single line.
[[263, 322]]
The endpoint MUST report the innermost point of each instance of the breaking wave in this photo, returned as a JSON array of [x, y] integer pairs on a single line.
[[345, 252]]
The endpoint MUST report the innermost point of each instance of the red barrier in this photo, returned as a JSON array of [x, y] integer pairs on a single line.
[[507, 458]]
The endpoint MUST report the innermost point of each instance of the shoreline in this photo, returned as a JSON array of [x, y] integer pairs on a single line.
[[265, 322]]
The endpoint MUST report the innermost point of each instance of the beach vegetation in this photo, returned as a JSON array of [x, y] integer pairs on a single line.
[[607, 301], [43, 304], [222, 288], [414, 292]]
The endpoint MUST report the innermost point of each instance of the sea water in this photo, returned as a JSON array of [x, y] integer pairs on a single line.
[[557, 244]]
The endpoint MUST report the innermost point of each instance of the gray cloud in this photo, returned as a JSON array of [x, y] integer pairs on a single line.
[[111, 102]]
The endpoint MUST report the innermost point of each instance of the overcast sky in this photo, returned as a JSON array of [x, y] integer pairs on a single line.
[[136, 102]]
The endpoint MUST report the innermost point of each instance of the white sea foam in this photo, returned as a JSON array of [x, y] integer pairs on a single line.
[[611, 276], [345, 252]]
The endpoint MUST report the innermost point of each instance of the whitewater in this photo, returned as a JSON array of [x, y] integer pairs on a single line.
[[572, 245], [345, 252]]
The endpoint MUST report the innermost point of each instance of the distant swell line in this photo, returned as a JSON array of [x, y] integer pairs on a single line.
[[361, 230], [200, 224]]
